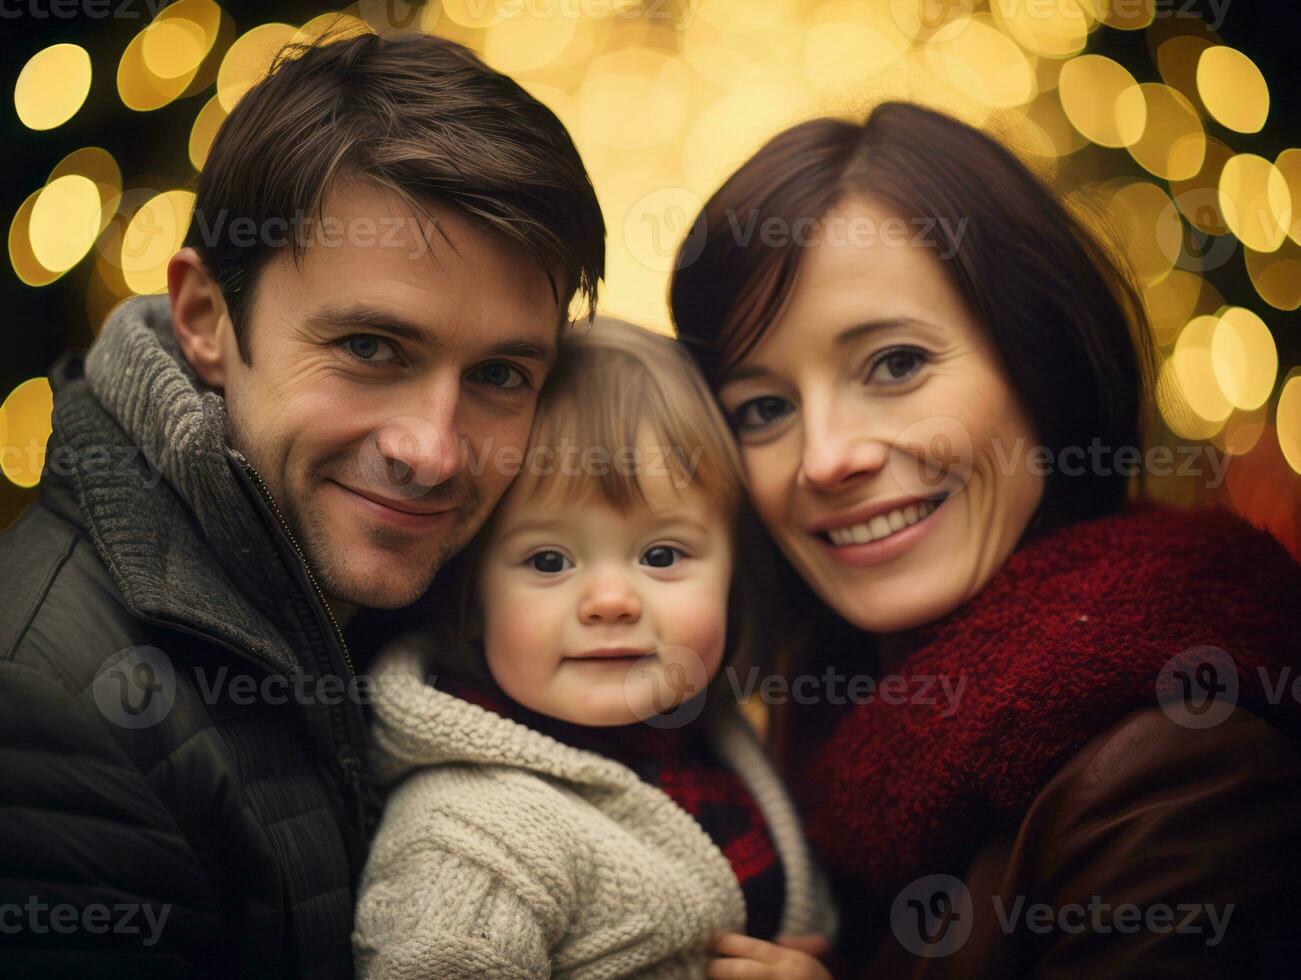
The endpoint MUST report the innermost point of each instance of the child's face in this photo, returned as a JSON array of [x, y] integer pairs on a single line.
[[561, 583]]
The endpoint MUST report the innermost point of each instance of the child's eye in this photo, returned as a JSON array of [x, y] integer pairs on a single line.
[[661, 556], [549, 562]]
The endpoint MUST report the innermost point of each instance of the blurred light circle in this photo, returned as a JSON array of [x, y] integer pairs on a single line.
[[1102, 100], [65, 222], [984, 62], [1289, 165], [624, 89], [27, 410], [52, 86], [204, 131], [1244, 357], [173, 47], [1287, 420], [154, 234], [1255, 201], [1176, 409], [1233, 89], [1171, 302], [1241, 432], [931, 20], [249, 60], [1276, 275], [1194, 370], [844, 53], [98, 165], [1173, 144], [25, 264], [527, 42], [1056, 29], [1124, 15], [1151, 229], [1198, 196], [1176, 60]]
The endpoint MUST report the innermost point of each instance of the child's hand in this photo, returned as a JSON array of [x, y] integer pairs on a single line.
[[744, 958]]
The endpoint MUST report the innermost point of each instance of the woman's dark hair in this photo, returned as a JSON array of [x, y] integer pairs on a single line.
[[1060, 306]]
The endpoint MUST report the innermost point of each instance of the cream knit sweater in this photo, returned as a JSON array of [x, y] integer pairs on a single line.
[[504, 853]]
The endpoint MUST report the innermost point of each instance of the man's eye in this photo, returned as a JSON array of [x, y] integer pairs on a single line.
[[369, 348], [661, 556], [897, 365], [501, 375], [758, 412], [549, 562]]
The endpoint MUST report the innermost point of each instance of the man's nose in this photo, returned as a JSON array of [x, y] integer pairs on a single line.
[[422, 450]]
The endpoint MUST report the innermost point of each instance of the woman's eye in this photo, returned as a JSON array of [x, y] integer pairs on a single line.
[[758, 412], [898, 365], [369, 348], [549, 562], [501, 375], [661, 556]]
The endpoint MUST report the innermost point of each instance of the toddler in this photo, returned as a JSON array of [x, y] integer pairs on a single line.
[[572, 797]]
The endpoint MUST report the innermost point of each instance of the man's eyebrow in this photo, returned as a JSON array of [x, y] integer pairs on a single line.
[[843, 339], [368, 319]]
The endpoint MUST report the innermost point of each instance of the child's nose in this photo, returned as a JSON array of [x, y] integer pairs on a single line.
[[609, 600]]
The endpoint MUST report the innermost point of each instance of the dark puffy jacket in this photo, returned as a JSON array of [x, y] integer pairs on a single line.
[[180, 791]]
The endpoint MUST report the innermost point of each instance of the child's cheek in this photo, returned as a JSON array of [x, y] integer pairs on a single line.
[[522, 634]]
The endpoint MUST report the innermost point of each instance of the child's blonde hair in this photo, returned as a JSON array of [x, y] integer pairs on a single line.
[[617, 390]]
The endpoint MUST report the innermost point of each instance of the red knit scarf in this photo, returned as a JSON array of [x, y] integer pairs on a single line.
[[680, 762], [1066, 639]]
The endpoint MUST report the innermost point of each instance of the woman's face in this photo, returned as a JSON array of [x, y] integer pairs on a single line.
[[885, 449]]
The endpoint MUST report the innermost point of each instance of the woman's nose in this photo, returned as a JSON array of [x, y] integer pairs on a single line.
[[609, 600], [837, 449]]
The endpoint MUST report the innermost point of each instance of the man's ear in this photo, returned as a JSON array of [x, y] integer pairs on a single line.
[[200, 319]]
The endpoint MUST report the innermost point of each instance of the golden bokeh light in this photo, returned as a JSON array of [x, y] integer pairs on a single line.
[[52, 86], [1198, 197], [1287, 420], [982, 61], [1102, 100], [845, 43], [249, 59], [624, 89], [25, 264], [97, 164], [1243, 357], [204, 131], [1173, 143], [1255, 201], [336, 24], [65, 221], [1241, 432], [180, 37], [1176, 407], [1233, 89], [1124, 15], [27, 410], [1194, 370], [1170, 302], [154, 234], [1055, 30], [1176, 60], [1276, 275], [1289, 165], [527, 43], [1151, 230]]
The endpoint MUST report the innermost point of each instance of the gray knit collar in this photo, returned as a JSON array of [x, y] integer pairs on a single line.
[[176, 547]]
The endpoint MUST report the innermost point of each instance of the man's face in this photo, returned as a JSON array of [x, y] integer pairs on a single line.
[[390, 371]]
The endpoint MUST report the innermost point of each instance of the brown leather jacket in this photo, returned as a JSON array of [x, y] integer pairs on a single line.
[[1198, 830]]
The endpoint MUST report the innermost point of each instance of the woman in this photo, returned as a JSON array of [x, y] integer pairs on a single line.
[[1076, 749]]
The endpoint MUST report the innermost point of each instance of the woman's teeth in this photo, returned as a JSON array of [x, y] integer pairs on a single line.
[[882, 525]]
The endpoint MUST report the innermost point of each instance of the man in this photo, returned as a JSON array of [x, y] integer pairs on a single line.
[[246, 481]]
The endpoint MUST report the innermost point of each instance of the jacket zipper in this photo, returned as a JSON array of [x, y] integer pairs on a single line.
[[348, 761]]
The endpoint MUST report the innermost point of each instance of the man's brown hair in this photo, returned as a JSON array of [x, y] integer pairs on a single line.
[[421, 116]]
